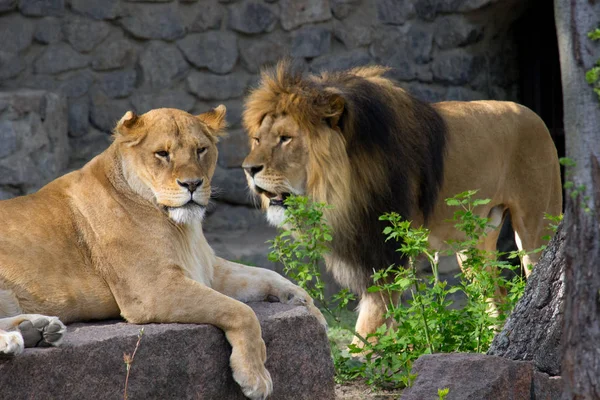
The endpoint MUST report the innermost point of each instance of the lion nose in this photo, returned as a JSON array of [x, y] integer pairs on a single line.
[[253, 170], [190, 185]]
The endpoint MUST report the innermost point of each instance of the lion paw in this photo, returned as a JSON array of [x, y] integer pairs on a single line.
[[11, 344], [295, 295], [42, 331], [252, 376]]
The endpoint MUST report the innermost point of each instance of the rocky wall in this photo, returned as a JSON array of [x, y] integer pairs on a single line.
[[106, 57]]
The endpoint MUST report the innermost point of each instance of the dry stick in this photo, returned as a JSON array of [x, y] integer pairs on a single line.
[[129, 360]]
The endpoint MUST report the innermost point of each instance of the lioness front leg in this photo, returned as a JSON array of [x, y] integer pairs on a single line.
[[259, 284], [173, 298]]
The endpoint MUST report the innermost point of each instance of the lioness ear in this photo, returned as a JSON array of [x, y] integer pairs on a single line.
[[124, 131], [337, 105], [215, 119]]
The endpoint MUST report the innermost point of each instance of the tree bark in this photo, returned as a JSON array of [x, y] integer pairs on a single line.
[[533, 330], [581, 331]]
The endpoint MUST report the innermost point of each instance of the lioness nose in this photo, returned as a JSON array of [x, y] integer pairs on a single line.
[[253, 169], [190, 185]]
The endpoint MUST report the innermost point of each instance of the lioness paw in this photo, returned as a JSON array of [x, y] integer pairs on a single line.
[[42, 331], [250, 373], [295, 295], [11, 344]]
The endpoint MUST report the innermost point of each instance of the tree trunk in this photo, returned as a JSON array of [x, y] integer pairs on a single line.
[[533, 330], [581, 331]]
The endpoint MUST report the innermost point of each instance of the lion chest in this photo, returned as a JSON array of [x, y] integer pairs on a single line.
[[196, 256]]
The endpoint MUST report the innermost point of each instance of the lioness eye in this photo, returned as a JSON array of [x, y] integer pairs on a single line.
[[162, 154], [201, 150], [256, 140], [284, 139]]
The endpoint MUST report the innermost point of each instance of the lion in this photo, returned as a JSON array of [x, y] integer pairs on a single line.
[[359, 142], [122, 237]]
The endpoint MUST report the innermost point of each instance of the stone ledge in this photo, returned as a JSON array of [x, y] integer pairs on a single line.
[[174, 361]]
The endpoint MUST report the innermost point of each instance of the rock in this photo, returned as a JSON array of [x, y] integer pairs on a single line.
[[76, 84], [162, 64], [10, 65], [209, 16], [403, 48], [215, 50], [341, 61], [394, 12], [456, 67], [9, 137], [428, 93], [48, 31], [475, 376], [233, 149], [343, 8], [252, 17], [207, 86], [42, 8], [118, 84], [311, 41], [16, 33], [85, 34], [114, 54], [256, 54], [7, 5], [547, 387], [196, 364], [464, 94], [170, 99], [420, 41], [154, 21], [470, 5], [106, 112], [87, 147], [428, 9], [231, 187], [295, 13], [352, 33], [34, 128], [58, 58], [79, 116], [456, 31], [106, 9], [8, 192]]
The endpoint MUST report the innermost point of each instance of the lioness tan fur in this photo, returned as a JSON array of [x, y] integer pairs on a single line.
[[123, 237], [362, 144]]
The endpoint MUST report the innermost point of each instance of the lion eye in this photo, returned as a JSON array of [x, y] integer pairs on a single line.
[[284, 139], [163, 154], [256, 140], [201, 150]]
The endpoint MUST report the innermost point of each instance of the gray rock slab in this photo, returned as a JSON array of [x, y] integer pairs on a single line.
[[252, 17], [113, 54], [174, 361], [84, 34], [162, 64], [311, 41], [16, 33], [7, 5], [479, 376], [154, 21], [105, 9], [41, 8], [207, 86], [58, 58], [209, 16], [143, 102], [256, 54]]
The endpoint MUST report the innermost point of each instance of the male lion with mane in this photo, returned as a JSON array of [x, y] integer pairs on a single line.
[[123, 237], [359, 142]]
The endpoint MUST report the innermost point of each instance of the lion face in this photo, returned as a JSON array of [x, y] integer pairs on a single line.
[[277, 164], [169, 157]]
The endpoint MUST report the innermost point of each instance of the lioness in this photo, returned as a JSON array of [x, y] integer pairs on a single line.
[[362, 144], [123, 237]]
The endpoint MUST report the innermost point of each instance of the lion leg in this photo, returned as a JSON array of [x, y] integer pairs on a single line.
[[371, 315], [528, 238], [174, 298], [247, 284]]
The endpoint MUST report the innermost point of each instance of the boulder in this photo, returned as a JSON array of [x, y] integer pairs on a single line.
[[479, 376], [34, 137], [173, 361], [295, 13], [162, 65]]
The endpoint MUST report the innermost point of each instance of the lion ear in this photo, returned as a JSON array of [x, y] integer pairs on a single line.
[[125, 130], [215, 119], [337, 104]]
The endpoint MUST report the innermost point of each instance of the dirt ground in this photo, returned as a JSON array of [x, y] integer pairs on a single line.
[[358, 390]]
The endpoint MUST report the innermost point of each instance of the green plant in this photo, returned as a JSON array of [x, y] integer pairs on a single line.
[[573, 190], [442, 393], [592, 76], [427, 321]]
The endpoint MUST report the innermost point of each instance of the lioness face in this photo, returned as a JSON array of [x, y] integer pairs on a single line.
[[277, 164], [169, 158]]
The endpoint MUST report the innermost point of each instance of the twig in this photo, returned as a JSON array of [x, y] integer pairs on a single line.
[[128, 358]]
